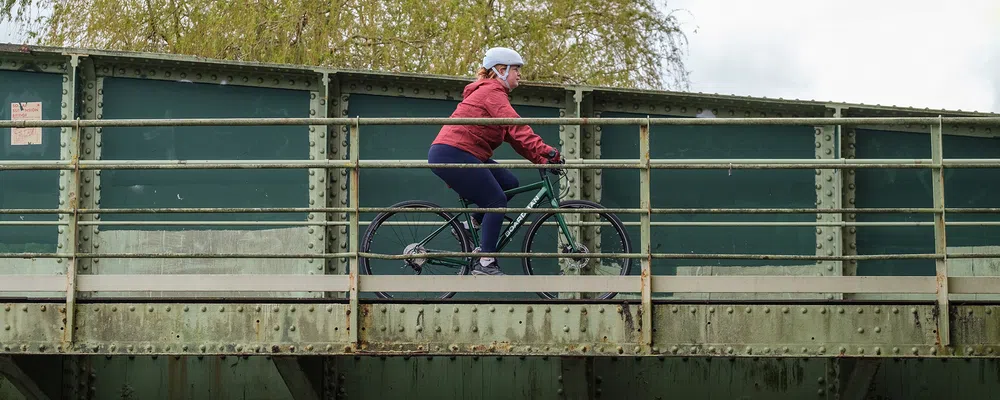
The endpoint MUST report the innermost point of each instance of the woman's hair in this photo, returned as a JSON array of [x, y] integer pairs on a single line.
[[484, 73]]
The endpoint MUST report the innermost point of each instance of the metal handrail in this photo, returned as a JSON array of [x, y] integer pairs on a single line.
[[645, 164]]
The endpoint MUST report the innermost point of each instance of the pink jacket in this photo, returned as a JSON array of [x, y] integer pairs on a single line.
[[487, 98]]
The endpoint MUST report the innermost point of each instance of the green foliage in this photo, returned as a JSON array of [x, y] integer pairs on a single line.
[[625, 43]]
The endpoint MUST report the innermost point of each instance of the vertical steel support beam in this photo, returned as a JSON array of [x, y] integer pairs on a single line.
[[590, 179], [338, 178], [352, 312], [646, 239], [591, 150], [91, 103], [828, 196], [317, 176], [569, 141], [69, 189], [940, 246], [849, 233]]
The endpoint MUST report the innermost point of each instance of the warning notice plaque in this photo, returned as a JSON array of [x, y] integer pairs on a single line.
[[25, 112]]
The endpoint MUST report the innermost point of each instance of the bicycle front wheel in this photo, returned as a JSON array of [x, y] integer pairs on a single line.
[[417, 235], [593, 232]]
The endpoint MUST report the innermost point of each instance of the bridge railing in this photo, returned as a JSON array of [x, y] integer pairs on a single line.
[[942, 285]]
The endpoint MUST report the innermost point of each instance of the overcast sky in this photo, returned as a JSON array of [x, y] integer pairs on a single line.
[[919, 53], [914, 53]]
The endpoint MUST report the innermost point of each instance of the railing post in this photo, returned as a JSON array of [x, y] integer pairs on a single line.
[[74, 204], [645, 236], [940, 245], [71, 184], [353, 320]]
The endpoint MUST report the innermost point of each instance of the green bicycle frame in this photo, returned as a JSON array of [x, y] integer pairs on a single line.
[[545, 191]]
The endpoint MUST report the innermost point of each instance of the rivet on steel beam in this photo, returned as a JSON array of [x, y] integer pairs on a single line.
[[672, 309], [276, 327], [895, 350], [204, 309], [784, 310], [693, 310], [729, 310], [329, 308], [455, 328], [895, 310], [565, 328], [711, 310], [510, 309], [914, 351]]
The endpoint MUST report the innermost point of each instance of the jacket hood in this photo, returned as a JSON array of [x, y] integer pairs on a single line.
[[487, 84]]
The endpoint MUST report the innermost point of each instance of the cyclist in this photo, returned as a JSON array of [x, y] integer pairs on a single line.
[[474, 144]]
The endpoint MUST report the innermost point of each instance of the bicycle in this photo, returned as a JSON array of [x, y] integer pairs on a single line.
[[468, 239]]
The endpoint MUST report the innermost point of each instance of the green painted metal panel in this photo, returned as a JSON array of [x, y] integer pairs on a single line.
[[714, 188], [210, 377], [894, 188], [137, 98], [700, 378], [384, 187], [30, 189], [964, 187], [472, 378], [936, 379], [8, 391]]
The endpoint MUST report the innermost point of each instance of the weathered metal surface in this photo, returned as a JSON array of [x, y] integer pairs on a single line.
[[473, 378], [207, 242], [701, 378], [802, 330], [499, 329], [210, 328], [35, 189], [31, 328], [829, 195], [168, 378]]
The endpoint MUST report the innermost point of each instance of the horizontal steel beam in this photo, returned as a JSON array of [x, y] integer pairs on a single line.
[[916, 163], [498, 284], [778, 121], [474, 328]]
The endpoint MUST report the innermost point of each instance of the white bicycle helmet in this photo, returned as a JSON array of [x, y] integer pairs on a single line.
[[502, 56]]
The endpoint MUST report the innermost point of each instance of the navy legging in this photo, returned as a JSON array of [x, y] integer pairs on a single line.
[[482, 186]]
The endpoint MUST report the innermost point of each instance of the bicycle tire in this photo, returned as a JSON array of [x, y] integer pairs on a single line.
[[365, 267], [615, 222]]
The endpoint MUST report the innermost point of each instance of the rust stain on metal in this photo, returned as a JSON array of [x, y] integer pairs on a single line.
[[626, 313], [177, 378]]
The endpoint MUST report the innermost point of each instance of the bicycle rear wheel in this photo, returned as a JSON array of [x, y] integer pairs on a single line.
[[402, 233], [594, 233]]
